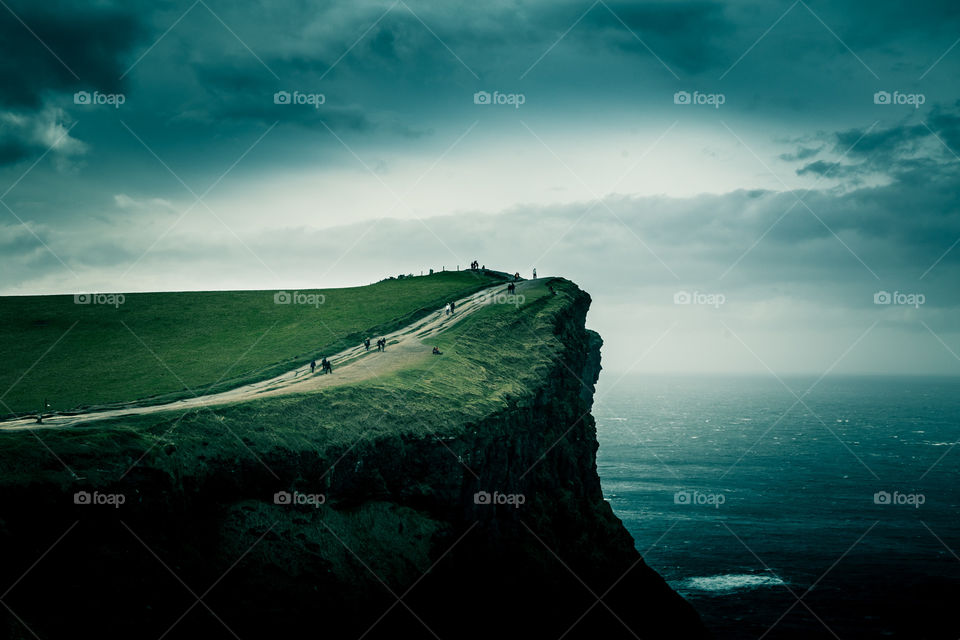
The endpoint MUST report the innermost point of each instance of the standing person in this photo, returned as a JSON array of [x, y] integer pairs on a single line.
[[534, 273], [453, 306], [446, 309], [384, 341], [366, 344], [516, 276], [313, 365]]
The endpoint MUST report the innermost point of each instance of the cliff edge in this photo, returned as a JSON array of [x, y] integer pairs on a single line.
[[456, 498]]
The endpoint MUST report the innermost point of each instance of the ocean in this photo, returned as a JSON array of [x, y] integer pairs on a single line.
[[835, 516]]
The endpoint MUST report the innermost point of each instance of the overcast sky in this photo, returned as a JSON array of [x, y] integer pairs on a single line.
[[782, 163]]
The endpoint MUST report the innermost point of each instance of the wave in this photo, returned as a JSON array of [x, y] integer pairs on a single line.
[[725, 583]]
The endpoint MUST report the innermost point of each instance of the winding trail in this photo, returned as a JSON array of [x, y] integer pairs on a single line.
[[349, 366]]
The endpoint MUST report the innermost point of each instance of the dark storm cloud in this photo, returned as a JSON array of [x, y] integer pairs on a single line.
[[913, 153], [688, 36], [91, 43]]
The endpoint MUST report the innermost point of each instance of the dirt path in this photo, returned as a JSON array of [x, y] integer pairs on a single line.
[[352, 365]]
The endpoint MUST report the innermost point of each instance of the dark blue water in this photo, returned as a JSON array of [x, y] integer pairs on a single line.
[[772, 516]]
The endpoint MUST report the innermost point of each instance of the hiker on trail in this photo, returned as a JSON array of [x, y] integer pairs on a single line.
[[446, 309], [384, 341], [511, 288], [325, 366], [534, 273], [453, 307], [437, 352], [366, 344], [313, 366]]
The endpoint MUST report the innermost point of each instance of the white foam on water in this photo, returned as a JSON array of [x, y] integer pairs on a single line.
[[728, 582]]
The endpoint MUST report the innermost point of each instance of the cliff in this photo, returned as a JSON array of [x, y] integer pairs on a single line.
[[429, 518]]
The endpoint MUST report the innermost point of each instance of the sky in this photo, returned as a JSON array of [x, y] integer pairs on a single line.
[[742, 187]]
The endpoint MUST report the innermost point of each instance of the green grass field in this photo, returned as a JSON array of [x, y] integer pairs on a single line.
[[156, 347], [499, 352]]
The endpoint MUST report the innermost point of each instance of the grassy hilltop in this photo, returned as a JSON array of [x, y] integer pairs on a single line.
[[499, 352], [156, 347]]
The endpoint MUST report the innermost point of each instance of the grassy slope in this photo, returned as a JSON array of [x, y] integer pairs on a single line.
[[165, 344], [497, 352]]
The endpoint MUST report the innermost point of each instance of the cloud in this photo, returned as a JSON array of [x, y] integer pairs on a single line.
[[687, 35], [62, 46], [23, 135], [802, 153]]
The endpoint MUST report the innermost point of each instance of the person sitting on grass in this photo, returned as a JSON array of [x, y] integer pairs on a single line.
[[437, 352]]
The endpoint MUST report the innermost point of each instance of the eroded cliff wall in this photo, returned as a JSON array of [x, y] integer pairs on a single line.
[[491, 526]]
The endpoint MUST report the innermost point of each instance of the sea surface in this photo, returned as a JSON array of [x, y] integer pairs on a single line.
[[792, 508]]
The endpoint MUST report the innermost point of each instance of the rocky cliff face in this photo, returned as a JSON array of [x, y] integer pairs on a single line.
[[494, 527]]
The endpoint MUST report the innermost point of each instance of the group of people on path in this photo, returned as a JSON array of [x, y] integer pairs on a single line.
[[448, 309], [325, 365], [381, 344]]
